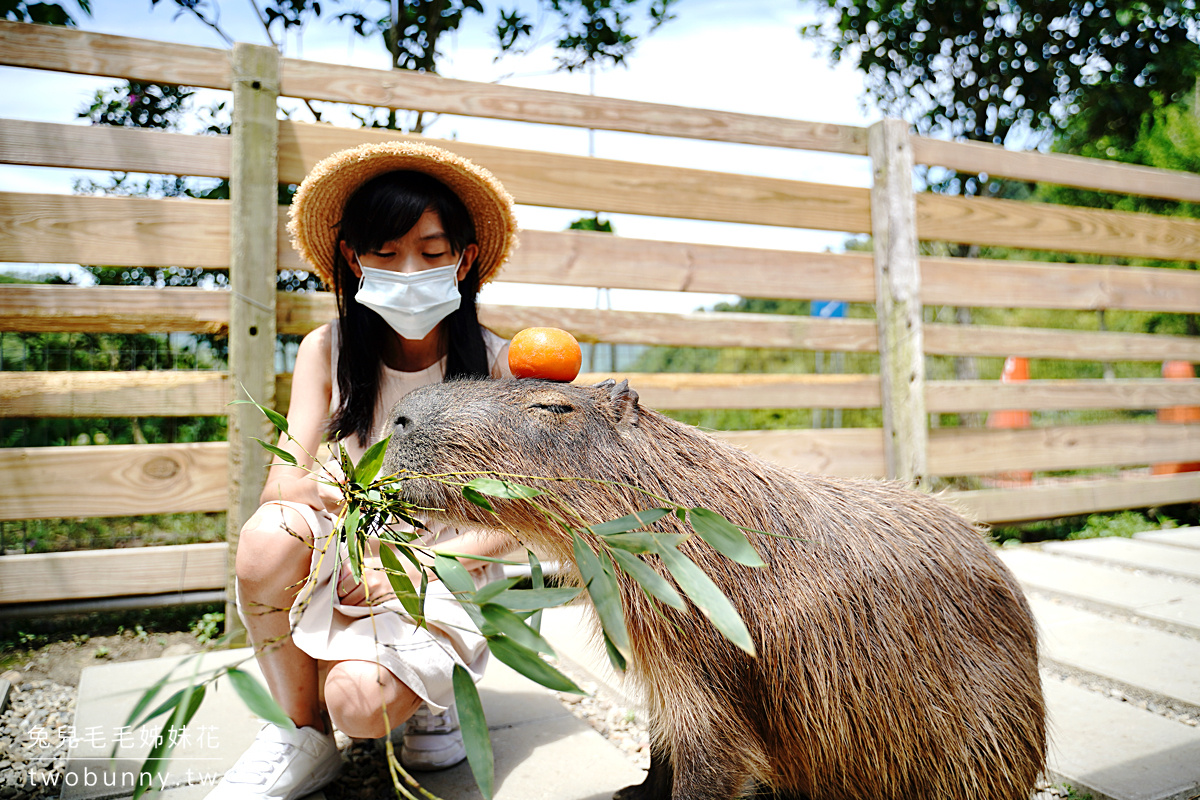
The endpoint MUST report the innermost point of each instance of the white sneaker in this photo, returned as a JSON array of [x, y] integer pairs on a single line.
[[432, 741], [281, 764]]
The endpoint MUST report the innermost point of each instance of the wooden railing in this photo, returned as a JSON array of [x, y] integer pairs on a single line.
[[262, 151]]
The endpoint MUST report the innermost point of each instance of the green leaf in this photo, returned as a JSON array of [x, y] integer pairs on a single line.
[[474, 731], [488, 593], [725, 537], [166, 705], [257, 699], [529, 664], [368, 466], [630, 522], [402, 585], [539, 582], [278, 452], [536, 599], [648, 579], [614, 655], [190, 699], [644, 541], [476, 498], [456, 578], [353, 542], [515, 628], [148, 696], [601, 584], [278, 420], [505, 490], [708, 598]]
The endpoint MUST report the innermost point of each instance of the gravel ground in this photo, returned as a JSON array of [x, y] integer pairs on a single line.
[[39, 709]]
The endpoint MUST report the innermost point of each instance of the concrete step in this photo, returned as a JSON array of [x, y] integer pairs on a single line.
[[1171, 603], [538, 745], [1133, 554], [1151, 663], [1180, 537], [1116, 751]]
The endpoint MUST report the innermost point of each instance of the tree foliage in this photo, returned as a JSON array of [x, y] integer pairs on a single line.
[[42, 13], [987, 71]]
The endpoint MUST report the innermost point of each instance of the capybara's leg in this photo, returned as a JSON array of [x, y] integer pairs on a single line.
[[657, 785], [708, 767]]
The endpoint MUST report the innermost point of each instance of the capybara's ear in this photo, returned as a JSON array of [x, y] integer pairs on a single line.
[[622, 403]]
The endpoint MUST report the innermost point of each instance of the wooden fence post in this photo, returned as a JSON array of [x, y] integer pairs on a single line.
[[254, 205], [898, 303]]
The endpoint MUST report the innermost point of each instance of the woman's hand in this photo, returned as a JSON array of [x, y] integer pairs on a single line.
[[375, 578]]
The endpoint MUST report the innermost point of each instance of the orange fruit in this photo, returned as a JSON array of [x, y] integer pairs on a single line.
[[548, 353]]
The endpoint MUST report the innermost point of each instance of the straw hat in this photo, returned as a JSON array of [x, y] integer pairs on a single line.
[[317, 207]]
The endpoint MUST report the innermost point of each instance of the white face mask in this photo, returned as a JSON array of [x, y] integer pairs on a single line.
[[412, 303]]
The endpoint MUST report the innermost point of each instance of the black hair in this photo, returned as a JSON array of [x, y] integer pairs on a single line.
[[383, 209]]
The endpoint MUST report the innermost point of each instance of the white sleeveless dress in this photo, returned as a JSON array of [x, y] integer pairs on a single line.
[[422, 659]]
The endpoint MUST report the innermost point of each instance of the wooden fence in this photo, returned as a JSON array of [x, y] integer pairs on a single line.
[[246, 234]]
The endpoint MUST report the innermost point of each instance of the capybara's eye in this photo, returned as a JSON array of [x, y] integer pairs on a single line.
[[553, 408]]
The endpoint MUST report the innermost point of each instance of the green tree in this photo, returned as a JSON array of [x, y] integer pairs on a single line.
[[989, 71], [43, 13]]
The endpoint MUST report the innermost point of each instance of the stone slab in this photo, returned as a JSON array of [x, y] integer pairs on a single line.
[[1180, 537], [221, 730], [1150, 660], [1170, 601], [1116, 751], [571, 631], [1132, 553]]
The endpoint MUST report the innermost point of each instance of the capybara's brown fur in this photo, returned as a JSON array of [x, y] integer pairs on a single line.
[[896, 655]]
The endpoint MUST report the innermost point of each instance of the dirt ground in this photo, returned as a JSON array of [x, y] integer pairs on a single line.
[[63, 661]]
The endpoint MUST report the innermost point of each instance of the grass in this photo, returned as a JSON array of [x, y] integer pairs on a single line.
[[1094, 526]]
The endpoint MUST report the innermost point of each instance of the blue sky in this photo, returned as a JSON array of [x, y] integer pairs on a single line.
[[732, 55]]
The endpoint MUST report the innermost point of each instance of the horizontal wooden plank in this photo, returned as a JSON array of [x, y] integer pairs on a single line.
[[597, 184], [1017, 284], [848, 452], [112, 480], [93, 230], [113, 309], [53, 47], [1047, 501], [135, 393], [1058, 168], [1039, 226], [113, 231], [681, 391], [987, 340], [48, 144], [973, 451], [85, 574], [1047, 395], [404, 89]]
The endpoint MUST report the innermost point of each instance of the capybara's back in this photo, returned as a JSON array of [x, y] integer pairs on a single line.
[[896, 655]]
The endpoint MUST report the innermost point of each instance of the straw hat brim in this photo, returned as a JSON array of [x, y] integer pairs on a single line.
[[317, 207]]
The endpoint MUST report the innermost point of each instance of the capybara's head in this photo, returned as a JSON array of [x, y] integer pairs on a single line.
[[468, 428]]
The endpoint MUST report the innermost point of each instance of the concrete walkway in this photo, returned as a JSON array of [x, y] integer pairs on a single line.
[[1120, 624], [1120, 630]]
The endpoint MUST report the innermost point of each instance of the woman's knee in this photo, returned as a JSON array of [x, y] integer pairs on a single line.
[[356, 692], [274, 545]]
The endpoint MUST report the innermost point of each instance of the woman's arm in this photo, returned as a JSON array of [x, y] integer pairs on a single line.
[[308, 415]]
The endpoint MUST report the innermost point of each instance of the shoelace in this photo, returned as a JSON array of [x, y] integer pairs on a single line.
[[259, 763]]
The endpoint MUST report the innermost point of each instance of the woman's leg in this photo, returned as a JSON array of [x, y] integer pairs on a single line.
[[356, 693], [273, 559]]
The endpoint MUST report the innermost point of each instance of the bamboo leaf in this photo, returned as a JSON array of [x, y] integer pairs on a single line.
[[456, 578], [257, 699], [402, 585], [614, 655], [478, 499], [278, 420], [529, 664], [630, 522], [539, 582], [648, 579], [601, 584], [644, 541], [278, 452], [514, 627], [505, 490], [368, 466], [536, 599], [189, 702], [474, 731], [353, 542], [725, 537], [148, 696], [488, 593], [708, 598]]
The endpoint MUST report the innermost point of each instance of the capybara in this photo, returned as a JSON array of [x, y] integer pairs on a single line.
[[896, 655]]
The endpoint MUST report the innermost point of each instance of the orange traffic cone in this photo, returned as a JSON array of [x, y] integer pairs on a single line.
[[1015, 369], [1177, 370]]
